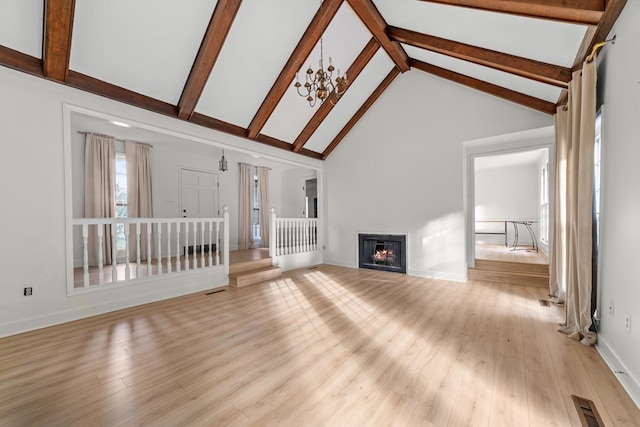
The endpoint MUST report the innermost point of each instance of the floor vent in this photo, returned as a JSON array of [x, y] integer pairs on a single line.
[[312, 268], [587, 412], [215, 292], [544, 302]]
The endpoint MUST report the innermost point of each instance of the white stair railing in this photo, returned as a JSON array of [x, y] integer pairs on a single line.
[[292, 235], [178, 244]]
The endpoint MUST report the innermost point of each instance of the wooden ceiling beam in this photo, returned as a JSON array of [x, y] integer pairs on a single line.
[[223, 16], [523, 67], [495, 90], [599, 33], [373, 20], [108, 90], [306, 44], [325, 108], [361, 111], [56, 46], [587, 12], [20, 61]]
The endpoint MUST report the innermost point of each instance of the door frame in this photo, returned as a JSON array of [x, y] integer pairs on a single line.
[[501, 144]]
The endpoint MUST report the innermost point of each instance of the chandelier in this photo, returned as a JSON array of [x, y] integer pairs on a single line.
[[319, 85]]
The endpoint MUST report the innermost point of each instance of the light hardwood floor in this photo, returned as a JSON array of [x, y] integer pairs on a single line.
[[320, 346]]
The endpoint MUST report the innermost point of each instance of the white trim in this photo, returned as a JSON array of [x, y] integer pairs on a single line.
[[625, 377], [500, 144]]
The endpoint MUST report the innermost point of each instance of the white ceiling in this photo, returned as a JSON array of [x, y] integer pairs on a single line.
[[149, 47]]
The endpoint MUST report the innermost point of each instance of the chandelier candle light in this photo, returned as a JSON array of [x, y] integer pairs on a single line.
[[319, 85]]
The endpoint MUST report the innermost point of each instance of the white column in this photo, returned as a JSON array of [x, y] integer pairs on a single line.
[[272, 233]]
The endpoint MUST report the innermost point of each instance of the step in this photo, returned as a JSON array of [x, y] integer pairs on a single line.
[[251, 277], [517, 278], [250, 265], [516, 267], [519, 273]]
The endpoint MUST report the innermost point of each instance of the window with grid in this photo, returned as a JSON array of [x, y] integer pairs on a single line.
[[544, 203]]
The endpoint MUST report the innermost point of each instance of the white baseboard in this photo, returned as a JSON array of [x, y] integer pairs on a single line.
[[171, 290], [628, 381], [341, 263]]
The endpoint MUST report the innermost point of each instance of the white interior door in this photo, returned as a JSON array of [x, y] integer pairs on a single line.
[[199, 194], [198, 199]]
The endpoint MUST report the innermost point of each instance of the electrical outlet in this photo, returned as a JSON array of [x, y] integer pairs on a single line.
[[28, 291], [612, 309], [627, 322]]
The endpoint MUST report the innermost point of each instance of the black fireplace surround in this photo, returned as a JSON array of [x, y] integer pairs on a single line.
[[385, 252]]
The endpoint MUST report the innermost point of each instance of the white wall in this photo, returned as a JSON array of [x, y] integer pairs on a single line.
[[293, 192], [618, 80], [33, 216], [509, 192], [400, 170]]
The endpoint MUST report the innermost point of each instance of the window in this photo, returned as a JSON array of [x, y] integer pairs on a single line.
[[121, 201], [544, 203], [596, 178], [255, 217]]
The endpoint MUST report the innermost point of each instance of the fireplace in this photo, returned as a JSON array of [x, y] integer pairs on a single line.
[[383, 252]]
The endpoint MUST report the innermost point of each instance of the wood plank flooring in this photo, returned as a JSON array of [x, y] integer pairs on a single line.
[[320, 346]]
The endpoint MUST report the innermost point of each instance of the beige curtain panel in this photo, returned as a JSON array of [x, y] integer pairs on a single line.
[[139, 194], [99, 192], [263, 201], [245, 235], [571, 274]]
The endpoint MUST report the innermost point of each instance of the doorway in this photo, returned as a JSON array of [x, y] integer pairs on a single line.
[[515, 143], [198, 199]]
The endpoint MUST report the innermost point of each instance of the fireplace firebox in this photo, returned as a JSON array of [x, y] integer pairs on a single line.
[[385, 252]]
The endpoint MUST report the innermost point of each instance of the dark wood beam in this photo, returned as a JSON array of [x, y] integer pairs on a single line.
[[56, 47], [501, 92], [223, 16], [523, 67], [586, 12], [20, 61], [361, 111], [108, 90], [373, 20], [306, 44], [323, 111]]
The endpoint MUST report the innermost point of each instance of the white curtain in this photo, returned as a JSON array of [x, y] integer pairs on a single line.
[[263, 202], [245, 234], [571, 263], [139, 194], [99, 191]]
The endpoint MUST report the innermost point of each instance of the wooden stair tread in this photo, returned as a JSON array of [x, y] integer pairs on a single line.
[[518, 273], [257, 275], [250, 265]]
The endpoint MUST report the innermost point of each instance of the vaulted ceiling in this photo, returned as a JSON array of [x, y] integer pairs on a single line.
[[230, 65]]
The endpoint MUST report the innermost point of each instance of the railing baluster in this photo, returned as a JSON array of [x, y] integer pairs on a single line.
[[159, 256], [100, 253], [210, 244], [168, 247], [186, 246], [85, 254], [127, 269], [202, 264], [178, 227], [149, 230], [137, 250], [114, 254]]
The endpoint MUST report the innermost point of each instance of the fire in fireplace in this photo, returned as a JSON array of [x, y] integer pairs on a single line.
[[382, 252]]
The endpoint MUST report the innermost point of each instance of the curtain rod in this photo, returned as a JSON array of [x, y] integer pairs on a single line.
[[598, 46], [82, 132]]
